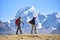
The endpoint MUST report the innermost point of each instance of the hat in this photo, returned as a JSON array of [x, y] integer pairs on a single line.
[[19, 17]]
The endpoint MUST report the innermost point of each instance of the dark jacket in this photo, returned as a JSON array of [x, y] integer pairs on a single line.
[[32, 21]]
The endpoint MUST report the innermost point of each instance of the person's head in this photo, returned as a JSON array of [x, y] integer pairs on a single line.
[[34, 17], [19, 17]]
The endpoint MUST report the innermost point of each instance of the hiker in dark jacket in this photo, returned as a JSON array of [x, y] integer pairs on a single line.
[[32, 22], [18, 23]]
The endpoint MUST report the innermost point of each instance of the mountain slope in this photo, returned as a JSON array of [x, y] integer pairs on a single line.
[[4, 28], [45, 24]]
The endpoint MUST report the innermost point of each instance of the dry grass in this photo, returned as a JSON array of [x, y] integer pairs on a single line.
[[31, 37]]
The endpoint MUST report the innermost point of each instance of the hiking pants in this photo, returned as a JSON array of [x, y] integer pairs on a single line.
[[19, 28], [33, 29]]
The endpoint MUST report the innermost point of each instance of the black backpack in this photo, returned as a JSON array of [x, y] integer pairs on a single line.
[[32, 21]]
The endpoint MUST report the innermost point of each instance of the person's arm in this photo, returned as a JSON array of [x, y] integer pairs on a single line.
[[22, 21]]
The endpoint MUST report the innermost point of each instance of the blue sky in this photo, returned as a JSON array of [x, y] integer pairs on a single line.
[[9, 8]]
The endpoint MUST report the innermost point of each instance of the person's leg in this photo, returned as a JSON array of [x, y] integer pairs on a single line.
[[20, 31], [32, 30], [17, 31]]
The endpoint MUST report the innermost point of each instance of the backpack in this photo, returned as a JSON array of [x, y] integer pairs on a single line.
[[17, 21], [30, 22]]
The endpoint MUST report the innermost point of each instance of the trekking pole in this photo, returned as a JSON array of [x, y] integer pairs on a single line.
[[22, 25]]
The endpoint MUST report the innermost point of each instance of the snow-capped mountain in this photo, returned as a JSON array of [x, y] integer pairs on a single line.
[[45, 24], [4, 28], [48, 22]]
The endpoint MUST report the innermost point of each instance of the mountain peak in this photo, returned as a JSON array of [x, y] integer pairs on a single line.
[[24, 11], [33, 9], [44, 23]]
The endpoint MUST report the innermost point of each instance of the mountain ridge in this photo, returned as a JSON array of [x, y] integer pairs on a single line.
[[45, 23]]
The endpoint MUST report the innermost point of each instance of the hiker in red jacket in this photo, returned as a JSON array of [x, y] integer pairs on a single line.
[[18, 23], [32, 22]]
